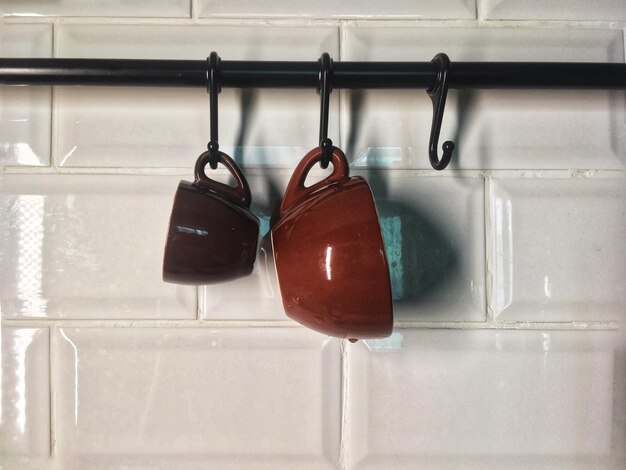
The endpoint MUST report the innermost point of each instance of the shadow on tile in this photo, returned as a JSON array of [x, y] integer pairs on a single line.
[[617, 110], [466, 105], [423, 259], [618, 433], [461, 114]]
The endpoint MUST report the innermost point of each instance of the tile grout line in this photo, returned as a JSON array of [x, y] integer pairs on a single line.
[[148, 323], [52, 348], [590, 174], [512, 325], [480, 12], [109, 171], [54, 99], [54, 133], [341, 93], [201, 299], [228, 324], [192, 18], [344, 441], [343, 31], [478, 21], [488, 250]]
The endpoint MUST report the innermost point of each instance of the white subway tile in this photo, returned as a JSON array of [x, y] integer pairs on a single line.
[[488, 399], [195, 42], [198, 398], [25, 398], [491, 128], [170, 127], [25, 112], [418, 9], [87, 246], [578, 10], [137, 8], [484, 44], [558, 249], [435, 242]]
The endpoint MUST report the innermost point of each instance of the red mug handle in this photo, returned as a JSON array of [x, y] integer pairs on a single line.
[[240, 194], [296, 191]]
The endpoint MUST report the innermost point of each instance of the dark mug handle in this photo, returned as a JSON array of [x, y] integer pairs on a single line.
[[240, 194], [296, 191]]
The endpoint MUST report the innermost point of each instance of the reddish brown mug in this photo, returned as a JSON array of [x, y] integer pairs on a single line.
[[329, 254], [212, 236]]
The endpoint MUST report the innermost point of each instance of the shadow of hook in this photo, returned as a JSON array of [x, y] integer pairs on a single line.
[[438, 94]]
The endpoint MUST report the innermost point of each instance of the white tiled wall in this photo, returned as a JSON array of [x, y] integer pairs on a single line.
[[508, 269]]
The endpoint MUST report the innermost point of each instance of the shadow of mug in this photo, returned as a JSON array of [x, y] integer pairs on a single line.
[[421, 258]]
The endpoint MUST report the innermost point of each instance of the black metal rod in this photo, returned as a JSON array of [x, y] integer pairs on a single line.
[[213, 88], [347, 75]]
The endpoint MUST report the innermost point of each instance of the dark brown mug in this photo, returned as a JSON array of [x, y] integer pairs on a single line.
[[329, 254], [212, 236]]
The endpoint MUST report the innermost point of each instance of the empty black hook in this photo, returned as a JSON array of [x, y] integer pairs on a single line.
[[213, 88], [438, 95], [324, 88]]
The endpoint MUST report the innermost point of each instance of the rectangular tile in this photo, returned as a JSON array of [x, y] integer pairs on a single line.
[[435, 244], [87, 246], [419, 9], [170, 127], [577, 10], [198, 398], [488, 399], [558, 249], [138, 8], [508, 129], [25, 398], [25, 112]]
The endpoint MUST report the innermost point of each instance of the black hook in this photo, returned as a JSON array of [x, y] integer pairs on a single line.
[[324, 88], [213, 88], [438, 95]]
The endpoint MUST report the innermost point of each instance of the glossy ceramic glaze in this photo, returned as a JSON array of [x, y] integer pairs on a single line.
[[212, 236], [329, 254]]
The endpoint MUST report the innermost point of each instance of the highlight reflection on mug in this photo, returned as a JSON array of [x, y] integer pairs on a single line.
[[190, 230]]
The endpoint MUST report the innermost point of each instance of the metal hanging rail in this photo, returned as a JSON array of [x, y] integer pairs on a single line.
[[347, 75], [436, 77]]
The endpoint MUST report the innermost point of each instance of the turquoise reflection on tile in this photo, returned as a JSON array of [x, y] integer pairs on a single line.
[[264, 227], [417, 253], [420, 253], [391, 343], [391, 228], [380, 157]]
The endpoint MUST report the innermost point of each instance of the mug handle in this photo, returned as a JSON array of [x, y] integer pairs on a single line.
[[296, 191], [240, 194]]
